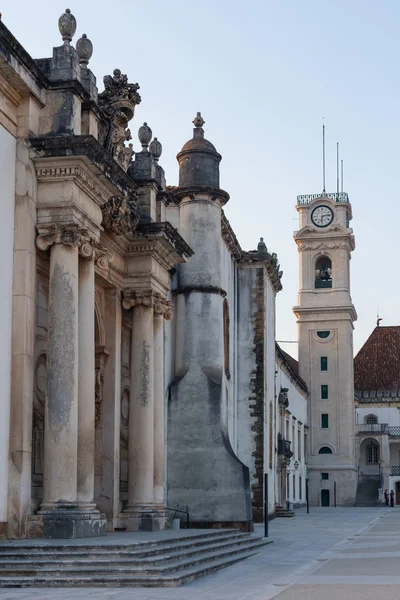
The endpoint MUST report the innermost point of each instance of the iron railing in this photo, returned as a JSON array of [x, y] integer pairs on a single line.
[[284, 447], [336, 197], [378, 428], [395, 470], [394, 431], [177, 510]]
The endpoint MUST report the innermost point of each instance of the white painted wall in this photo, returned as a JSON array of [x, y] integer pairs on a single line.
[[298, 413], [7, 199], [390, 415]]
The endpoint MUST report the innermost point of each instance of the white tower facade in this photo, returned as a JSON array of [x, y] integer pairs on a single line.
[[325, 316]]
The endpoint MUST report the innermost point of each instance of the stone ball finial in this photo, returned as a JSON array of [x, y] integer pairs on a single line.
[[156, 149], [67, 26], [84, 48], [198, 121], [145, 134]]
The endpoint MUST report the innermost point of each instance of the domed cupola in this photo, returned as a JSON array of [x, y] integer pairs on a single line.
[[198, 159]]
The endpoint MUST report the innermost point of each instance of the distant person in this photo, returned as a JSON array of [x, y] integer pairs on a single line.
[[386, 498], [391, 498]]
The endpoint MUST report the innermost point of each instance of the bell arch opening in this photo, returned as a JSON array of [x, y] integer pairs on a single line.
[[323, 272]]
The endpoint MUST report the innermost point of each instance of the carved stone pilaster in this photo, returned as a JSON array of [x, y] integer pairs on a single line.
[[163, 307], [91, 250], [120, 215]]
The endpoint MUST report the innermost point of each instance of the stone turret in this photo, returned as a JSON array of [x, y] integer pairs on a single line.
[[207, 477], [198, 159]]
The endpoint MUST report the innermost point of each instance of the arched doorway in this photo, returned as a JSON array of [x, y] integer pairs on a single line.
[[370, 458]]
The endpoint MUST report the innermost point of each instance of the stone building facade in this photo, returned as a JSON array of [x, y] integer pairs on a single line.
[[377, 415], [138, 338]]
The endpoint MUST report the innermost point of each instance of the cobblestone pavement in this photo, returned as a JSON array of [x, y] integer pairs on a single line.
[[333, 553]]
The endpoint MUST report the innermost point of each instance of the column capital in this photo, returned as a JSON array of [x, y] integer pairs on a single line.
[[56, 233], [140, 297], [71, 234]]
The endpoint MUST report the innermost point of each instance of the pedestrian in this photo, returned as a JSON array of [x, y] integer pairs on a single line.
[[391, 498], [386, 498]]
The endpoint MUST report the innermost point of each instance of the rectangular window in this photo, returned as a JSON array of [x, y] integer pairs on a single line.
[[299, 444], [300, 483], [324, 392], [325, 475], [305, 448], [324, 421], [324, 363]]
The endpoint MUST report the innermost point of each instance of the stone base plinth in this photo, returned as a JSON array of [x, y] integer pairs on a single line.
[[66, 524], [143, 519]]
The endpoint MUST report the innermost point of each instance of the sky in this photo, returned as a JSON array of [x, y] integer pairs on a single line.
[[263, 73]]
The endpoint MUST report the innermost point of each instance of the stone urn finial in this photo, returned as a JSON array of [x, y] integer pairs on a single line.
[[155, 149], [145, 134], [84, 48], [67, 26], [198, 121]]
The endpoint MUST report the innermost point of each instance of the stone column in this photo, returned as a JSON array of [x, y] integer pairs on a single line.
[[86, 380], [108, 500], [141, 512], [61, 411], [59, 515], [162, 310]]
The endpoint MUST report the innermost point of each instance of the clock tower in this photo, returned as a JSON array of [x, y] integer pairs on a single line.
[[325, 316]]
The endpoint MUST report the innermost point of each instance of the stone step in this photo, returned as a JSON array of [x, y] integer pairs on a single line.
[[172, 552], [97, 546], [142, 548], [171, 580], [62, 569], [284, 512], [138, 549]]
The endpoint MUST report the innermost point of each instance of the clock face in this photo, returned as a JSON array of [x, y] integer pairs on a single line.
[[322, 216]]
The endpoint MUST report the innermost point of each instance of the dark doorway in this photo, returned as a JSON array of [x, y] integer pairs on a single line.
[[397, 493], [324, 497]]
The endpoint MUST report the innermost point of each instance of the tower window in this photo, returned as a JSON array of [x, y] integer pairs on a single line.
[[324, 421], [323, 272], [324, 363], [324, 392], [325, 450], [325, 475], [323, 334]]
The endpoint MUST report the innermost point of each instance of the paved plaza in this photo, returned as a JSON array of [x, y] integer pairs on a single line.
[[334, 554]]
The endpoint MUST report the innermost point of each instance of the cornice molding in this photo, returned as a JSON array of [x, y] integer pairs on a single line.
[[80, 176]]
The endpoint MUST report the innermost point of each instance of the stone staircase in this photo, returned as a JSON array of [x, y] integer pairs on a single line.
[[280, 511], [367, 492], [165, 562]]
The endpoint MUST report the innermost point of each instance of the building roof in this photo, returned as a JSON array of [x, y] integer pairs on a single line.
[[377, 364], [292, 366]]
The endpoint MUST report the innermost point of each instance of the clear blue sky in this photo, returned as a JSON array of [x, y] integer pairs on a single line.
[[263, 73]]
